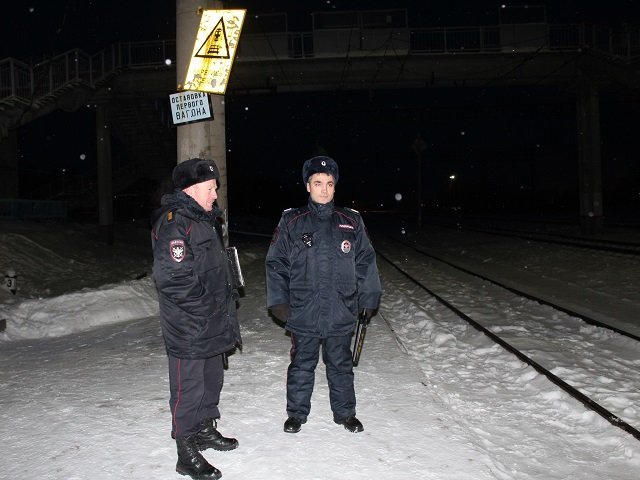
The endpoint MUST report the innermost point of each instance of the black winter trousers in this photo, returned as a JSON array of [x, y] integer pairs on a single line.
[[336, 355], [195, 392]]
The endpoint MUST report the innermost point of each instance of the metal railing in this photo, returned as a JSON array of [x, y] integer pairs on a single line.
[[455, 40], [25, 83], [21, 82], [440, 40]]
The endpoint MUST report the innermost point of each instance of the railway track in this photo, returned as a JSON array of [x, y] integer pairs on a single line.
[[552, 237], [566, 347], [520, 292]]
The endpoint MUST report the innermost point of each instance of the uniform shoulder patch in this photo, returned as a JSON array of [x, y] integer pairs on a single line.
[[177, 250]]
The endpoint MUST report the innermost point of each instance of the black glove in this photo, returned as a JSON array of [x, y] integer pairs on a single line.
[[281, 311], [369, 313]]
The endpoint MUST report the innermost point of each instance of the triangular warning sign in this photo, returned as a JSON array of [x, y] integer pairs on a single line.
[[215, 46]]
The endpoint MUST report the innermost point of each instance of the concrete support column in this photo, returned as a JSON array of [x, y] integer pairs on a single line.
[[105, 187], [9, 164], [589, 157], [202, 139]]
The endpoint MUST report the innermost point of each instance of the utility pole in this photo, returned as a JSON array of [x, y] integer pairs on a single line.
[[201, 139]]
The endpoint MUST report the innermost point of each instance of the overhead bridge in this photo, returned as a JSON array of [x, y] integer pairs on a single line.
[[335, 59], [134, 79]]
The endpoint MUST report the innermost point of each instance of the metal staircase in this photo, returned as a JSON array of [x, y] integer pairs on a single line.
[[147, 140], [75, 80]]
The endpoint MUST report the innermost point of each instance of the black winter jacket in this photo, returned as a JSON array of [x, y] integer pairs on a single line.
[[192, 273], [321, 262]]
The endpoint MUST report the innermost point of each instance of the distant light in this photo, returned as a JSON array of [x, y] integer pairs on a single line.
[[398, 197], [452, 176], [402, 231], [83, 156], [246, 109], [168, 62], [64, 170], [463, 133], [31, 9]]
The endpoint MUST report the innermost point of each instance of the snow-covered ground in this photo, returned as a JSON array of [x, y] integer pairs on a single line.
[[84, 389]]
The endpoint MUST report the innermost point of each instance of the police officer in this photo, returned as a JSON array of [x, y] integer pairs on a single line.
[[320, 271], [197, 309]]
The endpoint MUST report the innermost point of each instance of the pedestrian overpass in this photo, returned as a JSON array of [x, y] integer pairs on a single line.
[[368, 50]]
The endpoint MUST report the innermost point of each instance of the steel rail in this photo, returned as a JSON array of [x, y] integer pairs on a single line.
[[627, 248], [585, 318], [575, 393]]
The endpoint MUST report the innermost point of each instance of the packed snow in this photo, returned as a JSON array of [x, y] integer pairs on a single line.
[[84, 387]]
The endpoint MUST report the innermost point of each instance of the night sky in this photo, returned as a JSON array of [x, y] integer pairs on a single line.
[[510, 149]]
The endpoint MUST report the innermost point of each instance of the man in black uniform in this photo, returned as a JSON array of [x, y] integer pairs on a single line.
[[197, 309], [321, 270]]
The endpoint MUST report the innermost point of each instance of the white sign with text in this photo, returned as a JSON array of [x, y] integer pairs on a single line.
[[190, 106]]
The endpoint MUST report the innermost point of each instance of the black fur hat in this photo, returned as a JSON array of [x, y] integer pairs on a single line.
[[194, 170], [320, 164]]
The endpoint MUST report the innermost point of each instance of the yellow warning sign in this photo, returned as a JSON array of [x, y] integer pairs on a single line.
[[216, 45], [213, 51]]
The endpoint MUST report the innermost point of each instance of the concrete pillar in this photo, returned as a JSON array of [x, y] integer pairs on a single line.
[[105, 187], [9, 164], [202, 139], [589, 157]]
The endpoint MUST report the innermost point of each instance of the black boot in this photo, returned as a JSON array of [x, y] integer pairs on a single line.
[[209, 437], [192, 463], [351, 423], [293, 425]]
